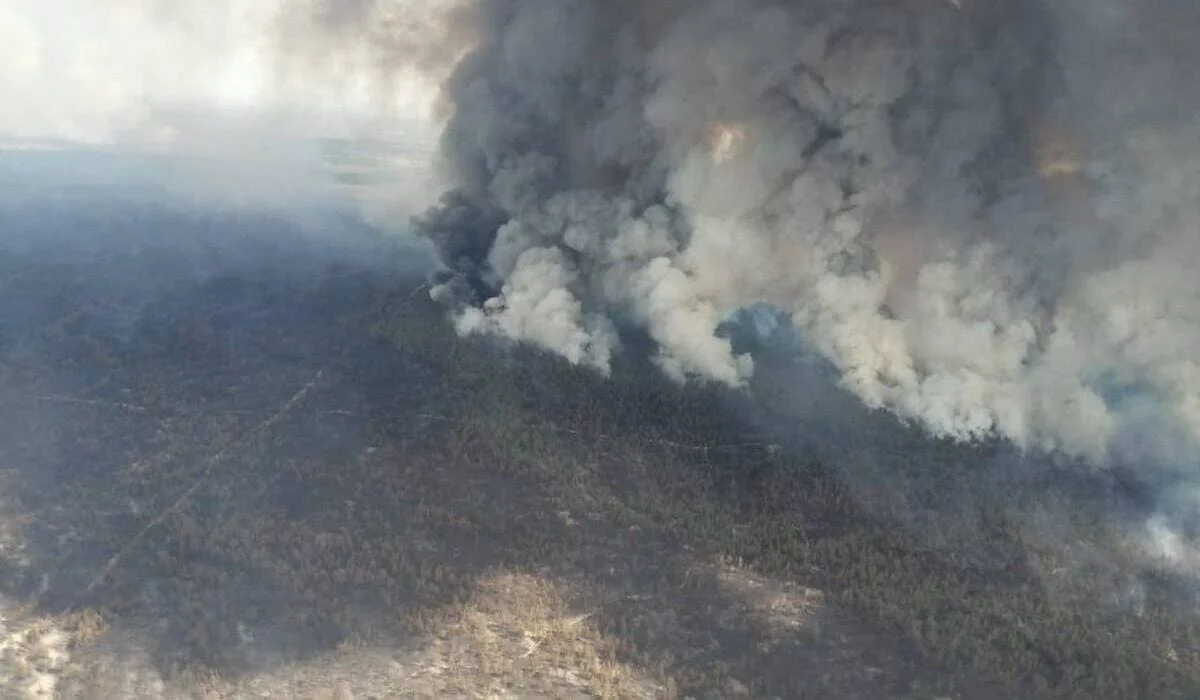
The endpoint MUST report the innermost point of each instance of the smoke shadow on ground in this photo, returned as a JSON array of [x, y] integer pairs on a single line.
[[288, 459]]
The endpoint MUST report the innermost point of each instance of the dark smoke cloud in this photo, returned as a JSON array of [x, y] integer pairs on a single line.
[[981, 212]]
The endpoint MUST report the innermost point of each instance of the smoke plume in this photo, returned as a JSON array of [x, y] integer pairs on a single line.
[[981, 212]]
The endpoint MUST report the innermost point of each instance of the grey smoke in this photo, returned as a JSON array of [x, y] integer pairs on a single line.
[[982, 213]]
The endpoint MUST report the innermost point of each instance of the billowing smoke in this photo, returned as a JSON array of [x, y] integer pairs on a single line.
[[983, 213]]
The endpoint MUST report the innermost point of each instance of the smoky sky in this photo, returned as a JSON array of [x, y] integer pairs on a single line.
[[981, 213]]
